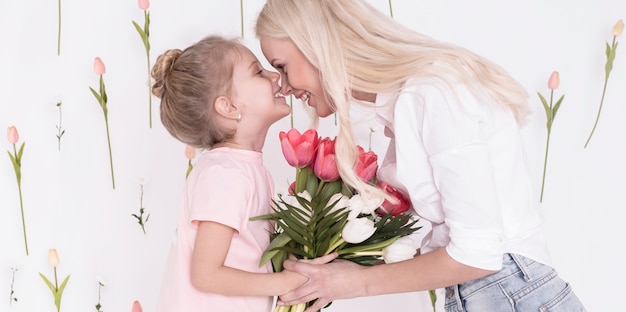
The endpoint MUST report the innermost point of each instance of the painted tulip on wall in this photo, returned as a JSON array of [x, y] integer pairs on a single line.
[[551, 111], [144, 33], [56, 289], [100, 70], [16, 159], [608, 67]]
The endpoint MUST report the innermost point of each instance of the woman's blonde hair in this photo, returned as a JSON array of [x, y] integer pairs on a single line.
[[356, 47], [188, 82]]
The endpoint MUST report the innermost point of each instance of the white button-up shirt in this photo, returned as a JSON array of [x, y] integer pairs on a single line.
[[462, 163]]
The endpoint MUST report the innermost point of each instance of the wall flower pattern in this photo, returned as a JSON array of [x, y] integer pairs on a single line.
[[16, 159], [101, 96]]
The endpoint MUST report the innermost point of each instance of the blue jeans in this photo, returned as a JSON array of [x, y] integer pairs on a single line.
[[521, 285]]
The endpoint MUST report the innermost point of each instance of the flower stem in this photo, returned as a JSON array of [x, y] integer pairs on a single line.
[[106, 120], [334, 246], [291, 110], [545, 163], [545, 160], [19, 188], [147, 45], [608, 68], [149, 90], [56, 281], [390, 9], [241, 11], [59, 30], [599, 110]]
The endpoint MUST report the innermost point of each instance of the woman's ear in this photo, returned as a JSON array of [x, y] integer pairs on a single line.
[[226, 108]]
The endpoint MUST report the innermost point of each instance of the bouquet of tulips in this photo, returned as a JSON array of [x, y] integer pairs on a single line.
[[321, 214]]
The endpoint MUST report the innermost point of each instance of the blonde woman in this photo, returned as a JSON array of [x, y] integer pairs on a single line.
[[453, 119]]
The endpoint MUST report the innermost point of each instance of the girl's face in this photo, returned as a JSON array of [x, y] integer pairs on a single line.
[[298, 75], [257, 92]]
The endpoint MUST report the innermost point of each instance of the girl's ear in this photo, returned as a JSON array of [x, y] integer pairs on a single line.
[[226, 108]]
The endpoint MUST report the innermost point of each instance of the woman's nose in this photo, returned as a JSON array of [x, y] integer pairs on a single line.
[[285, 87]]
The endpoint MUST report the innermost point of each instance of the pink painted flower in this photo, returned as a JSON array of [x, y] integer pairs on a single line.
[[366, 165], [98, 66], [137, 306], [299, 149], [144, 4], [53, 258], [190, 152], [402, 204], [325, 166], [618, 28], [553, 82], [12, 135]]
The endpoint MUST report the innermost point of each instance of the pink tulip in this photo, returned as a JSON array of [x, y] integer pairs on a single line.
[[12, 135], [402, 204], [98, 66], [144, 4], [137, 307], [299, 149], [366, 165], [618, 28], [190, 152], [553, 82], [325, 166]]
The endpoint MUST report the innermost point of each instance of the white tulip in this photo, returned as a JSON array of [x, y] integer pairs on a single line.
[[358, 230], [364, 203], [342, 202], [402, 249]]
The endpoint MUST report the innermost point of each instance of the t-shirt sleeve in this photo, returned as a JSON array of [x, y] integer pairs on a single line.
[[219, 195], [452, 132]]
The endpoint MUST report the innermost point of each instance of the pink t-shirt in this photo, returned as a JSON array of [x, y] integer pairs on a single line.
[[227, 186]]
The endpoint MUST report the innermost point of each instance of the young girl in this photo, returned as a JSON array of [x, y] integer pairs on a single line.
[[215, 95]]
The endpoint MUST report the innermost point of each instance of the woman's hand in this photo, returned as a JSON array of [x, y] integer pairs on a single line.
[[326, 282]]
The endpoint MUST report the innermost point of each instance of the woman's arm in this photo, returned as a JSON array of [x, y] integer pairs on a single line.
[[209, 274], [344, 279]]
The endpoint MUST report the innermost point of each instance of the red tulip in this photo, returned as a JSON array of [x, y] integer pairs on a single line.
[[299, 149], [144, 4], [366, 165], [402, 204], [12, 135], [326, 161], [553, 82], [98, 66], [137, 307]]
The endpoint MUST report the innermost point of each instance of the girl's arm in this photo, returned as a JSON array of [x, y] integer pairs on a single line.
[[209, 274], [344, 279]]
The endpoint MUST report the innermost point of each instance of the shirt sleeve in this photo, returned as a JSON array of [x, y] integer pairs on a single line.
[[450, 129], [219, 194]]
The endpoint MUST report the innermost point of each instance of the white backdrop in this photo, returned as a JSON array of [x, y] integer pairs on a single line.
[[69, 203]]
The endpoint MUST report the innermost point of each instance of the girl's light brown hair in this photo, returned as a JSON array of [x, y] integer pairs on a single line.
[[188, 82]]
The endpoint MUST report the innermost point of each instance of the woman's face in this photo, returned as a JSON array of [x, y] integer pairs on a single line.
[[298, 75]]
